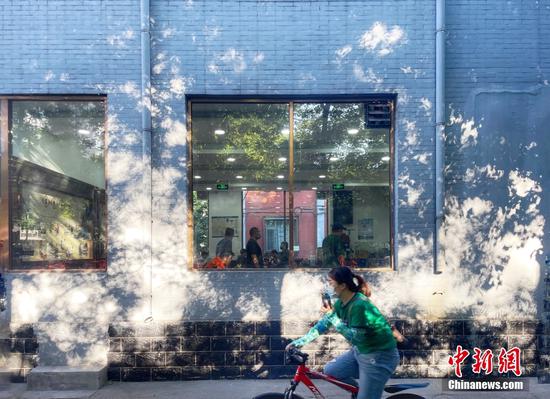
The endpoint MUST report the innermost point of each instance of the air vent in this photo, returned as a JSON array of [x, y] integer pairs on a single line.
[[378, 115]]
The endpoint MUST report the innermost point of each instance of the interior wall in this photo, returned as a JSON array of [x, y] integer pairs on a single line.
[[226, 204]]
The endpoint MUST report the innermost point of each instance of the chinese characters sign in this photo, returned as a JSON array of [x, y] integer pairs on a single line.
[[508, 361]]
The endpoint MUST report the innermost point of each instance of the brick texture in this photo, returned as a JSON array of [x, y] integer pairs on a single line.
[[19, 353], [260, 353], [254, 47]]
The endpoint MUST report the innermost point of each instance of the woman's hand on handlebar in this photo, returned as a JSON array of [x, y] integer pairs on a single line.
[[289, 347]]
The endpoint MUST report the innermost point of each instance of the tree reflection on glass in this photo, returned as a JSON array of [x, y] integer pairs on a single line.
[[57, 184], [335, 148]]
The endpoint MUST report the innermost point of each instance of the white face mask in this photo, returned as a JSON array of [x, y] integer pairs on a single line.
[[330, 291]]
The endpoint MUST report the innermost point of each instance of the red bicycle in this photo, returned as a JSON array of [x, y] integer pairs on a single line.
[[305, 375]]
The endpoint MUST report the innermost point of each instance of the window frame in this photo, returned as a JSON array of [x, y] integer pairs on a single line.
[[5, 189], [290, 100]]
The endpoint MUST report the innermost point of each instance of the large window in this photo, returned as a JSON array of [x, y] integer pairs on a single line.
[[308, 182], [53, 186]]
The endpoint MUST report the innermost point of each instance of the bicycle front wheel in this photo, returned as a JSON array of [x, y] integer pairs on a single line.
[[276, 395]]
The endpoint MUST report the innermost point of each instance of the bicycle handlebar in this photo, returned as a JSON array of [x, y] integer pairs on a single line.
[[294, 356]]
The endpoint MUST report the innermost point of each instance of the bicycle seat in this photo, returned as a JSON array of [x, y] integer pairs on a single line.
[[401, 387], [294, 356]]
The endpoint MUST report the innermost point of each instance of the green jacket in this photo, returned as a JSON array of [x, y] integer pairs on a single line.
[[359, 321]]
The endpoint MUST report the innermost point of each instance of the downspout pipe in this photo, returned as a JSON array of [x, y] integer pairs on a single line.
[[146, 139], [440, 115]]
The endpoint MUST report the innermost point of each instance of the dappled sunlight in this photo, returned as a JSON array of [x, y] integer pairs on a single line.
[[342, 53], [71, 313], [368, 76], [426, 104], [121, 40], [498, 267], [176, 132], [381, 40], [423, 158], [522, 185], [252, 307], [416, 72], [411, 137], [469, 133], [231, 58], [123, 167], [476, 174], [412, 189], [301, 296], [490, 245]]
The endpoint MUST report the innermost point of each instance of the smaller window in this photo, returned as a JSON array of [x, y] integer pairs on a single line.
[[57, 184]]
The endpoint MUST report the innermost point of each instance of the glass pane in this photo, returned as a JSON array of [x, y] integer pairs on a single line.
[[64, 137], [342, 163], [57, 184], [240, 171]]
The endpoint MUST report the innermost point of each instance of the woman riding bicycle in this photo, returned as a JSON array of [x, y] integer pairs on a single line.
[[373, 356]]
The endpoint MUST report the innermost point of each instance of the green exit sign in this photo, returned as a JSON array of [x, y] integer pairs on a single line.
[[338, 186], [222, 186]]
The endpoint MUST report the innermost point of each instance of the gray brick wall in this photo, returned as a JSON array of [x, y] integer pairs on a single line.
[[269, 47], [18, 353], [258, 48], [229, 350]]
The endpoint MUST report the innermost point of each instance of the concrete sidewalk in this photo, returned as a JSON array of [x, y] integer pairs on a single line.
[[247, 389]]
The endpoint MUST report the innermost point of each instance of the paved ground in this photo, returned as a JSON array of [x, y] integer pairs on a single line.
[[247, 389]]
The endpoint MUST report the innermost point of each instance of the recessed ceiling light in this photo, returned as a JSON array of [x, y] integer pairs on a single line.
[[322, 176], [353, 131], [244, 188], [198, 177], [230, 159], [208, 188], [279, 188], [239, 177], [333, 159], [314, 188], [280, 177], [83, 131], [286, 132], [282, 159], [219, 132], [385, 158]]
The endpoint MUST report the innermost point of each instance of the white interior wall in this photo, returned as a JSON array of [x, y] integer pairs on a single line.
[[224, 203]]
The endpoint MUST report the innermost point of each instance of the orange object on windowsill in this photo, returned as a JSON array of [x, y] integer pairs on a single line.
[[216, 263]]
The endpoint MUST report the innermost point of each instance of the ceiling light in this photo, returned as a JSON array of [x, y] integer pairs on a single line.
[[282, 159], [279, 188], [280, 177], [244, 188], [353, 131], [83, 131], [230, 159], [385, 158], [322, 176], [198, 177], [286, 132], [314, 188], [219, 132], [208, 188], [333, 159], [239, 177]]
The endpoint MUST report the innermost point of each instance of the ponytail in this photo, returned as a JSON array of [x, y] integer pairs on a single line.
[[354, 282]]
